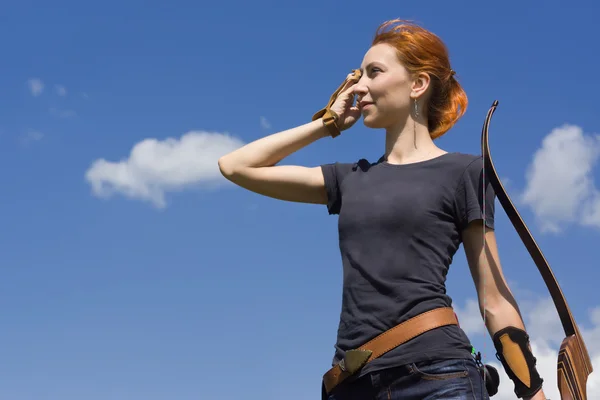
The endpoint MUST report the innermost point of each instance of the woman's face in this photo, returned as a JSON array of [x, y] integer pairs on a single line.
[[384, 89]]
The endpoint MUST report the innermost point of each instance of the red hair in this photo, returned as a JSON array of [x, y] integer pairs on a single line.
[[419, 50]]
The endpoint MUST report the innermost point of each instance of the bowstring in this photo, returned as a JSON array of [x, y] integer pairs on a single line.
[[485, 255]]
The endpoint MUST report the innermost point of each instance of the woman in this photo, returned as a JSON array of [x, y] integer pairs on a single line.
[[401, 220]]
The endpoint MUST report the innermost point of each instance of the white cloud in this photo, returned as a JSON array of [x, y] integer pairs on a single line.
[[546, 332], [560, 185], [470, 317], [31, 136], [264, 123], [60, 90], [36, 86], [155, 167]]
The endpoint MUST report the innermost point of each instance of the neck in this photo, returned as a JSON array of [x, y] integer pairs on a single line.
[[409, 142]]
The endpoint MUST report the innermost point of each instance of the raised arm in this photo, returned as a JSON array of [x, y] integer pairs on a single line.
[[253, 166]]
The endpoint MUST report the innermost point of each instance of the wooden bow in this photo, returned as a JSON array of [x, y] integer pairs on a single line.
[[574, 364]]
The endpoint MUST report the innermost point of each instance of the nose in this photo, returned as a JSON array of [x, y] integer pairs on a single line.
[[360, 89]]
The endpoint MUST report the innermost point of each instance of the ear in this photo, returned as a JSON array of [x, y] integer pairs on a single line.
[[420, 85]]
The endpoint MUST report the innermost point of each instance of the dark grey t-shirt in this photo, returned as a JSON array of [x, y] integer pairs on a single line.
[[399, 228]]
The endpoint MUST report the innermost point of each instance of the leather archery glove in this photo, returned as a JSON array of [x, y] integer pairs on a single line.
[[514, 352], [340, 113]]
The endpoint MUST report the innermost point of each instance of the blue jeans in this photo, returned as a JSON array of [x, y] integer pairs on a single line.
[[445, 379]]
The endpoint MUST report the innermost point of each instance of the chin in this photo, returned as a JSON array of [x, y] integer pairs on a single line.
[[370, 121]]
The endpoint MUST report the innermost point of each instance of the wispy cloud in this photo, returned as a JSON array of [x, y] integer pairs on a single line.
[[60, 90], [31, 136], [264, 123], [36, 86], [155, 167], [55, 112]]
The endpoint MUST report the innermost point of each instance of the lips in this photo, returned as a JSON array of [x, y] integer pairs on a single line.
[[364, 104]]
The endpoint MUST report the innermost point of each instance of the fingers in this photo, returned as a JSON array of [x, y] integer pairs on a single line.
[[345, 100], [349, 89], [351, 80], [351, 117], [349, 97]]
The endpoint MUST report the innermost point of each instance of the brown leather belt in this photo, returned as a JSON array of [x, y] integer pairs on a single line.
[[355, 359]]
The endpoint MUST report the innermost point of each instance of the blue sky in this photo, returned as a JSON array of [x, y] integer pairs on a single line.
[[151, 278]]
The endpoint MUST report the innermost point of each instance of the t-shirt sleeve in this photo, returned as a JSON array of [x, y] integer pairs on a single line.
[[469, 198], [334, 175]]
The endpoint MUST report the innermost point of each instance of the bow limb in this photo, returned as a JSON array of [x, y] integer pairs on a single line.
[[574, 364]]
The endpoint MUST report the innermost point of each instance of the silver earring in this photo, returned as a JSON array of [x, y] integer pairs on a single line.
[[415, 124]]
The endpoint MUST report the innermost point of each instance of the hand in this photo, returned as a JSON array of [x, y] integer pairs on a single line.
[[344, 106]]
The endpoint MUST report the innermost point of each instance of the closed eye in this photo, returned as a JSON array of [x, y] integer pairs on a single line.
[[372, 69]]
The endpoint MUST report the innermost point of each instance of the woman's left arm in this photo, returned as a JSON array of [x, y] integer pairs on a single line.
[[499, 307]]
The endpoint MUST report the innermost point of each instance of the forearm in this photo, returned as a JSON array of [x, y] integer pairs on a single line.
[[500, 314], [270, 150]]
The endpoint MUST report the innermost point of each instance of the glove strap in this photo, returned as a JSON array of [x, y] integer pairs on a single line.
[[330, 117]]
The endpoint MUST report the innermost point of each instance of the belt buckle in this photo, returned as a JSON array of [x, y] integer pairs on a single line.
[[354, 360]]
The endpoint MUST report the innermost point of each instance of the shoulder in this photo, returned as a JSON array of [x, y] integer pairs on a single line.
[[461, 166], [342, 169], [465, 161], [461, 172], [473, 193], [336, 177]]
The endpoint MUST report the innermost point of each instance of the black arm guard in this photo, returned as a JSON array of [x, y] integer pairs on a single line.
[[513, 350]]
